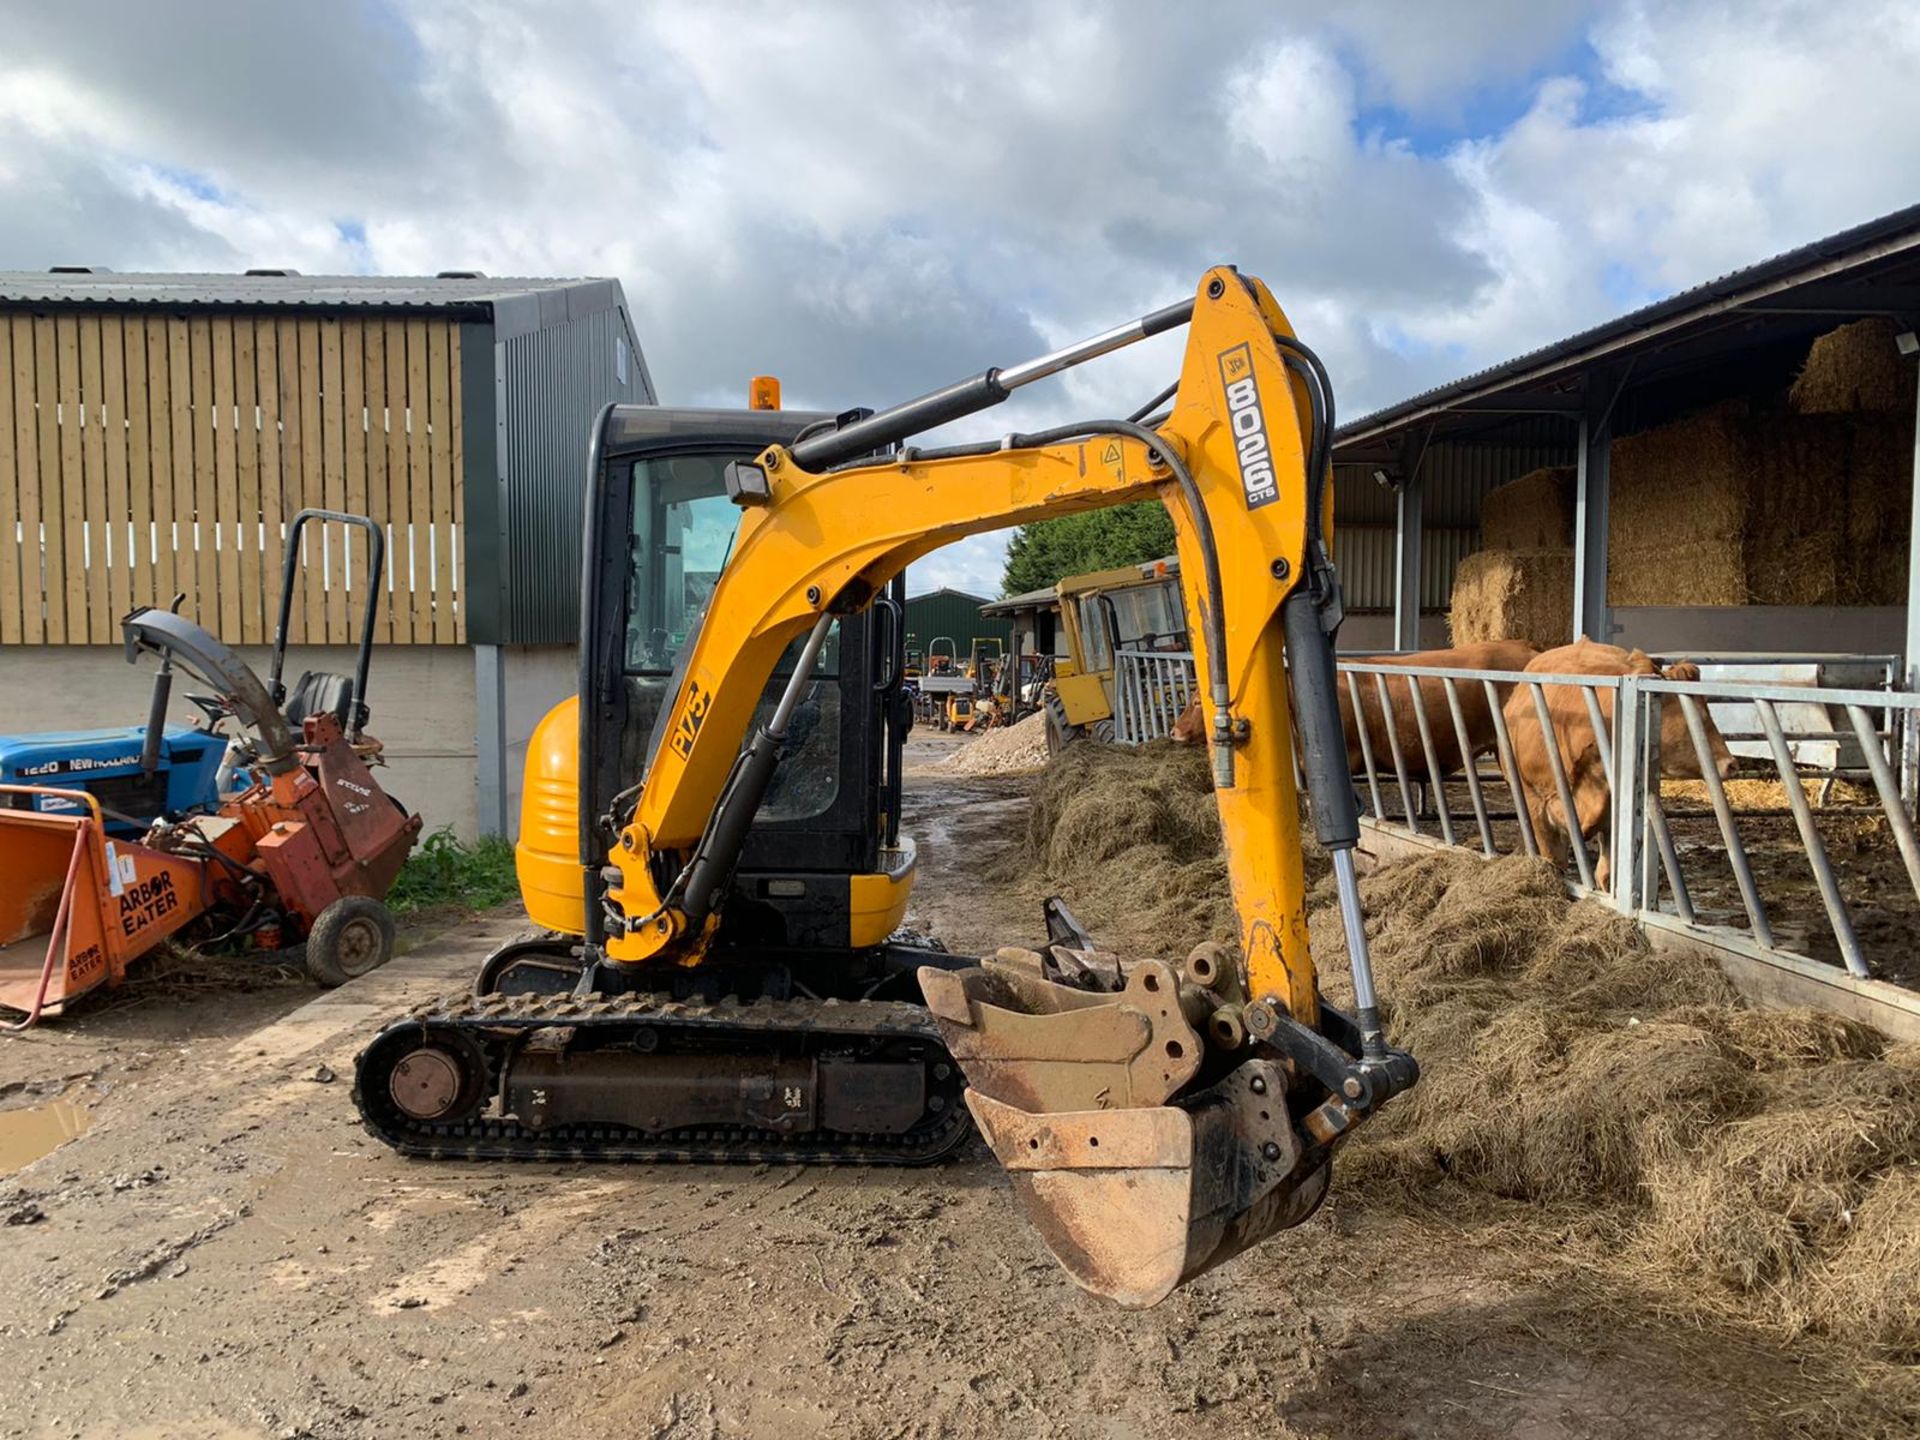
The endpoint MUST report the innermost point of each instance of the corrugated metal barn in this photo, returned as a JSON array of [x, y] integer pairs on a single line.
[[948, 614], [158, 431]]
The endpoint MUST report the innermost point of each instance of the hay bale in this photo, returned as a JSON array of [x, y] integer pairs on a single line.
[[1735, 506], [1534, 512], [1879, 508], [1513, 595], [1797, 473], [1677, 513], [1852, 369]]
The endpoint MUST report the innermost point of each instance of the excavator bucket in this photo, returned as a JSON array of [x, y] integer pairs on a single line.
[[1136, 1179], [75, 906]]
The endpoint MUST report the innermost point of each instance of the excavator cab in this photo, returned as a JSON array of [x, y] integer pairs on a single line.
[[824, 869]]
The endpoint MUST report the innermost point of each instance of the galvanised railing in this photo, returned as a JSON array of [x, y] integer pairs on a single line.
[[1150, 690], [1647, 866]]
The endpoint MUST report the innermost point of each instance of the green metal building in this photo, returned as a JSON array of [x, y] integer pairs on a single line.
[[954, 615]]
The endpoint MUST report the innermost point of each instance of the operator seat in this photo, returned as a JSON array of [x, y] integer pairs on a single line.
[[320, 692]]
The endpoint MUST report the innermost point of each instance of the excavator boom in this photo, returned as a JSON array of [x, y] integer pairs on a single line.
[[1153, 1128]]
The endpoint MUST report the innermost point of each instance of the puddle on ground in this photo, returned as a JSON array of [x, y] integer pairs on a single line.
[[26, 1135]]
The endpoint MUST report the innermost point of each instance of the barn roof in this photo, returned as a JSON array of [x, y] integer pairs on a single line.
[[1870, 269], [1045, 599], [516, 304]]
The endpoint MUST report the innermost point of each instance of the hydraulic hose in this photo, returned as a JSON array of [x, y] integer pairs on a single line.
[[719, 850], [1311, 617], [1155, 403]]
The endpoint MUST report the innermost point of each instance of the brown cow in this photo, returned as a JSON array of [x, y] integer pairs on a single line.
[[1580, 749], [1475, 711], [1191, 727]]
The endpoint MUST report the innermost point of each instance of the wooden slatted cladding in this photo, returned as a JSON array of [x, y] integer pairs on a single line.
[[145, 454]]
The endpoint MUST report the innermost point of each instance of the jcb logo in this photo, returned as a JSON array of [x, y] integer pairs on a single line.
[[1249, 425], [692, 715]]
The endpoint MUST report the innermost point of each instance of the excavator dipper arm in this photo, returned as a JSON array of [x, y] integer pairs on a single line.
[[1152, 1131]]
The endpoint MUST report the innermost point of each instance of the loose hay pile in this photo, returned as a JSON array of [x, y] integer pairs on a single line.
[[1756, 1164], [1016, 750], [1753, 1163], [1130, 836]]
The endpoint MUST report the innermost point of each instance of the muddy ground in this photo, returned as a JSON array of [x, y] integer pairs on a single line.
[[225, 1253]]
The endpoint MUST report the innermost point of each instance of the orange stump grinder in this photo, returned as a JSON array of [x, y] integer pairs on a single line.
[[307, 850]]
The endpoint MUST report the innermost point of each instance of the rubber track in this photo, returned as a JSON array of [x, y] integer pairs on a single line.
[[491, 1021]]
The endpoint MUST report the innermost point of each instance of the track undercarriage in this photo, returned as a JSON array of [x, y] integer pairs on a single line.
[[544, 1066]]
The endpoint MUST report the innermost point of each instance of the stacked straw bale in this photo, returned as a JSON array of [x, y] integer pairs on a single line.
[[1534, 512], [1740, 504], [1513, 595], [1855, 369], [1520, 585]]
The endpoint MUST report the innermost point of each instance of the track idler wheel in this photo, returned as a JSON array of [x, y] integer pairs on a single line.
[[430, 1075], [1136, 1181]]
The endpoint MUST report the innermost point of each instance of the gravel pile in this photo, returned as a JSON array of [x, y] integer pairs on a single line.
[[1012, 751]]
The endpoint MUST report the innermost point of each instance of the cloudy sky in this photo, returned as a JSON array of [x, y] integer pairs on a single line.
[[872, 199]]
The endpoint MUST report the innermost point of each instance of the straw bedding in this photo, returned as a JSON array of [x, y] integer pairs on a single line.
[[1731, 1156]]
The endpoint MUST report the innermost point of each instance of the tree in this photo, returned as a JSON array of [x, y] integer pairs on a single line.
[[1045, 551]]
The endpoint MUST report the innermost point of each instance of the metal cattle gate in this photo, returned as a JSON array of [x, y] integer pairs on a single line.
[[1740, 882], [1150, 690]]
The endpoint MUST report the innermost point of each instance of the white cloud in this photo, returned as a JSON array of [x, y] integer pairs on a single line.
[[872, 200]]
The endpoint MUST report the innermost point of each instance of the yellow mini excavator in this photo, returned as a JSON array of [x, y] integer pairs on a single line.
[[710, 830]]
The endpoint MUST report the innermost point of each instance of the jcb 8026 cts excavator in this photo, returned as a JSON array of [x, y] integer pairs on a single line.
[[710, 831]]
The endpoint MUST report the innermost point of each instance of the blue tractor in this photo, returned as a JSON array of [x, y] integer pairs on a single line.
[[108, 765]]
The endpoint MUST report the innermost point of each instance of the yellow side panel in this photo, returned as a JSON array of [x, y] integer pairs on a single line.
[[547, 857], [876, 904], [1083, 697]]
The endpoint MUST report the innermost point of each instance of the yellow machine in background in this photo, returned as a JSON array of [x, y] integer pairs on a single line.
[[1101, 613], [717, 851]]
